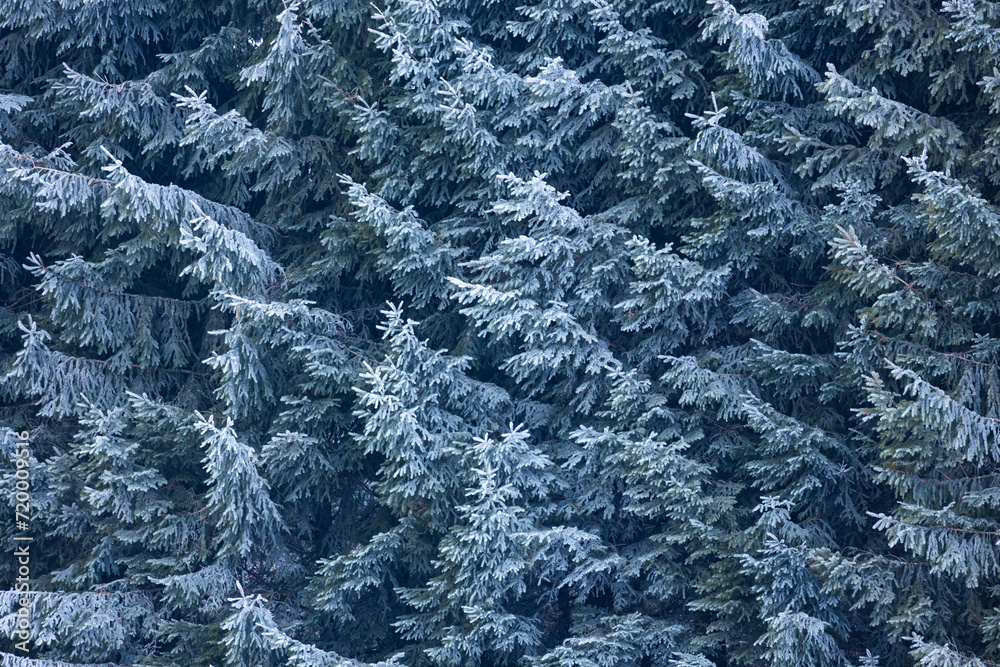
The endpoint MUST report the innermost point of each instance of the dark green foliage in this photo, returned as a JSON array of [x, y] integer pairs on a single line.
[[448, 333]]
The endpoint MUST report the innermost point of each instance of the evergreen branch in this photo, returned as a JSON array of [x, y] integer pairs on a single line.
[[142, 297]]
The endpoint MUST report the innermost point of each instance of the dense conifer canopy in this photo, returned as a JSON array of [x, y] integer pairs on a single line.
[[502, 333]]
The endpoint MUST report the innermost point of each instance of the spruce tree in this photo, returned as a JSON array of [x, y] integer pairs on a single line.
[[454, 333]]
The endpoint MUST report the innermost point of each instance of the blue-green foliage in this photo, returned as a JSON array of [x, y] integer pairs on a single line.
[[457, 333]]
